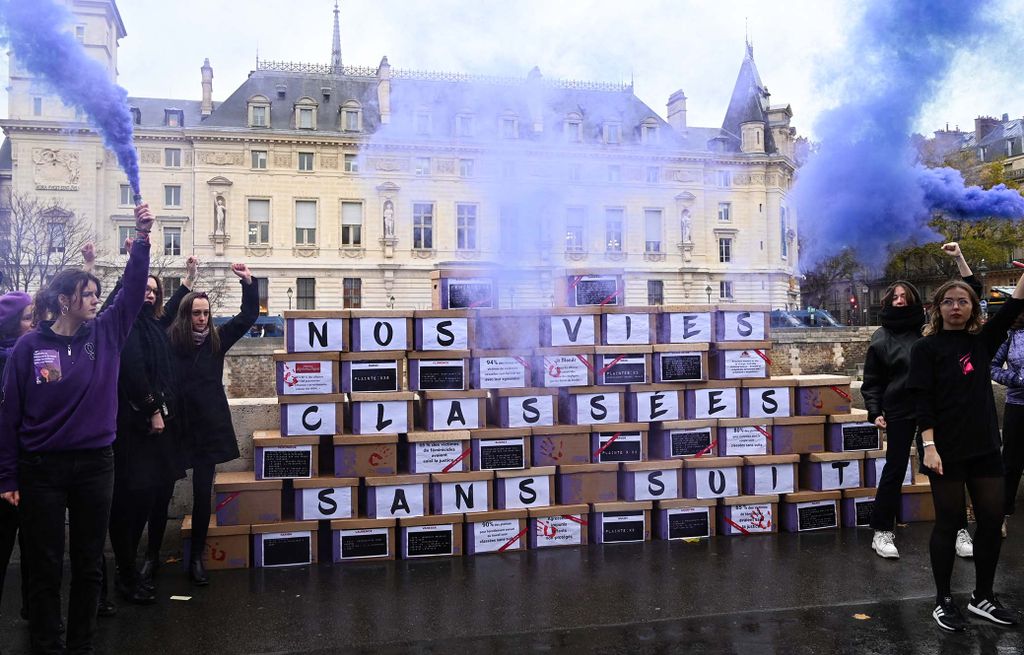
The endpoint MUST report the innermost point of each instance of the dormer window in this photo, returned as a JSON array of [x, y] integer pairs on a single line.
[[573, 128], [351, 117], [174, 118], [509, 126], [423, 123], [649, 132], [136, 115], [613, 133], [259, 112], [305, 114], [464, 125]]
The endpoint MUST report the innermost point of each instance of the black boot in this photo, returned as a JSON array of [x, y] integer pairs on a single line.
[[128, 586], [197, 573], [147, 573]]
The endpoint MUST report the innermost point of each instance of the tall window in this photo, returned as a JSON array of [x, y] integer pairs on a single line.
[[124, 232], [575, 218], [37, 106], [172, 195], [305, 222], [725, 211], [306, 118], [259, 158], [649, 134], [724, 178], [172, 241], [259, 115], [652, 230], [171, 285], [351, 224], [612, 133], [783, 229], [655, 292], [509, 127], [725, 289], [259, 222], [653, 174], [465, 168], [305, 161], [351, 163], [172, 157], [125, 195], [351, 117], [352, 293], [725, 250], [422, 166], [305, 293], [465, 234], [58, 237], [263, 289], [573, 128], [464, 125], [614, 220], [423, 226]]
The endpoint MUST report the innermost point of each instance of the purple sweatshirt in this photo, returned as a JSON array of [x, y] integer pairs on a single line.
[[60, 393], [1012, 354]]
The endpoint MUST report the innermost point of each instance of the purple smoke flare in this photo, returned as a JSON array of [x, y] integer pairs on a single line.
[[37, 36]]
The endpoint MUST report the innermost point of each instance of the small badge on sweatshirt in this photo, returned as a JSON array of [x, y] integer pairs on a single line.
[[47, 365]]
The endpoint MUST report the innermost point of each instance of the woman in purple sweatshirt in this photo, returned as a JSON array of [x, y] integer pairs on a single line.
[[1011, 353], [57, 423]]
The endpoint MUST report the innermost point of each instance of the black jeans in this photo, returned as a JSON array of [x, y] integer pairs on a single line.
[[202, 491], [899, 437], [1013, 452], [9, 532], [80, 482]]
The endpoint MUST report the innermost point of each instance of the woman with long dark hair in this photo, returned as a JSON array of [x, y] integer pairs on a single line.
[[956, 413], [209, 437], [57, 423]]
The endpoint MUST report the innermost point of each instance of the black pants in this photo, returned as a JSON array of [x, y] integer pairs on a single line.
[[128, 513], [899, 438], [80, 482], [9, 522], [202, 492], [158, 519], [1013, 452]]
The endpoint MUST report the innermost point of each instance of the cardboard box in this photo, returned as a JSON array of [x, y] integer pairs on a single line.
[[746, 515], [740, 360], [767, 398], [452, 410], [564, 367], [365, 456], [831, 471], [227, 546], [651, 480], [526, 489], [558, 525], [497, 449], [374, 372], [681, 439], [874, 464], [857, 506], [821, 395], [745, 436], [324, 499], [439, 371], [500, 531], [844, 432], [591, 288], [284, 458], [560, 444], [438, 452], [806, 511], [523, 408], [742, 323], [622, 365], [562, 327], [462, 289], [619, 442], [620, 522], [688, 519], [307, 374], [592, 405], [587, 483], [303, 416], [381, 329], [686, 324], [363, 539], [397, 496], [430, 536], [507, 329], [798, 434], [442, 329], [771, 474], [715, 399], [916, 504], [241, 499], [290, 543], [629, 326], [380, 413], [711, 477], [461, 493], [501, 369], [655, 402], [675, 363], [316, 330]]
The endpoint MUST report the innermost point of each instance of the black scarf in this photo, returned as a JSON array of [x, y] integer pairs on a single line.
[[156, 356], [903, 319]]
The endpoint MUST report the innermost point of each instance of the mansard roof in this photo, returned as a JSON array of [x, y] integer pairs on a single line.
[[749, 102], [152, 111]]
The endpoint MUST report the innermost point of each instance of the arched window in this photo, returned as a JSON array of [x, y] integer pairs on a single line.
[[259, 111], [352, 116], [305, 113]]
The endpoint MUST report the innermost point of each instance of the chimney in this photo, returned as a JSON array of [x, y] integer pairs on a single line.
[[535, 100], [207, 105], [983, 126], [384, 90], [677, 111], [1006, 118]]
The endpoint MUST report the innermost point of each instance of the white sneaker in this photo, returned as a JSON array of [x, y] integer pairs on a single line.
[[964, 545], [884, 544]]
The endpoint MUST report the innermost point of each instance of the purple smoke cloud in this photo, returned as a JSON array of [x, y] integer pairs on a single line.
[[36, 32]]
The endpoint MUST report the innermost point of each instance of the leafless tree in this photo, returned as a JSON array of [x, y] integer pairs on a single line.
[[38, 238]]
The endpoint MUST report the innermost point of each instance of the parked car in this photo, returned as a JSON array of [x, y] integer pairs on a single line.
[[265, 326], [803, 318]]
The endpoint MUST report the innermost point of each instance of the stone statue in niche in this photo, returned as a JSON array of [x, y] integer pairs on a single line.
[[687, 224], [389, 219], [220, 215]]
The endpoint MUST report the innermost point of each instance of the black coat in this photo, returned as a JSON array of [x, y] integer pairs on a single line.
[[209, 436]]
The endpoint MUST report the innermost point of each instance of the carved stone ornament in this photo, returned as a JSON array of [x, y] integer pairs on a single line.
[[56, 170], [258, 251], [678, 175], [654, 256], [388, 164], [283, 160], [467, 254], [446, 166], [329, 162], [575, 255], [218, 158], [150, 156], [305, 251], [421, 253], [352, 253]]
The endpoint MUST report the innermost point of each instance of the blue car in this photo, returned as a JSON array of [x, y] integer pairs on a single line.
[[265, 326]]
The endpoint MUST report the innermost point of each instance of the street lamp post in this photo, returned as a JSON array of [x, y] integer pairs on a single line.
[[707, 290], [289, 292], [391, 302]]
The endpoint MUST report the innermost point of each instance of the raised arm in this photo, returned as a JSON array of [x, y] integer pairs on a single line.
[[993, 333], [171, 306], [236, 328], [126, 304]]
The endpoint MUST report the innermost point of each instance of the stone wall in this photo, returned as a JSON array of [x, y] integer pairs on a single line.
[[798, 351], [249, 368]]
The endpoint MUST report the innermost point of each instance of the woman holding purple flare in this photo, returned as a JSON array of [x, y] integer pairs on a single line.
[[57, 424]]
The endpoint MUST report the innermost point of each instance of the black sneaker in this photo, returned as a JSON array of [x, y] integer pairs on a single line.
[[948, 616], [993, 610]]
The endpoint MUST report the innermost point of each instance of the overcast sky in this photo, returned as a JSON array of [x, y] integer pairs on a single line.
[[664, 45]]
